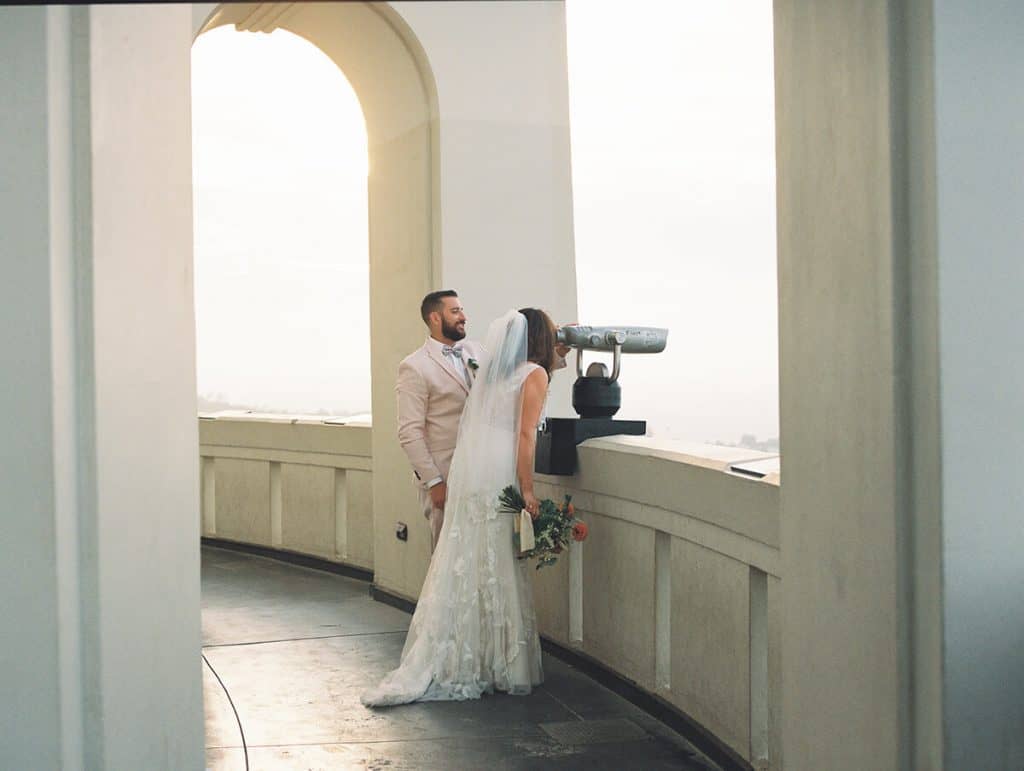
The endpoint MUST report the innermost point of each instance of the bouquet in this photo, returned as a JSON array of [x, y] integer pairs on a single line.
[[552, 530]]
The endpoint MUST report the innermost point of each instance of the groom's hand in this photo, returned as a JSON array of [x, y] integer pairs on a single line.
[[438, 495]]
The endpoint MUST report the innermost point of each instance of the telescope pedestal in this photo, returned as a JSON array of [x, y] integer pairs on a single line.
[[557, 440]]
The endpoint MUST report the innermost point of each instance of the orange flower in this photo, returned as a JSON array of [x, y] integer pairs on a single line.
[[579, 531], [571, 509]]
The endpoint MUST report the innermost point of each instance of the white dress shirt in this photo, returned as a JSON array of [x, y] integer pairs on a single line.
[[458, 362]]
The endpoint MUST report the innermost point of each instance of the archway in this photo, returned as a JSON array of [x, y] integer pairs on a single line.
[[280, 220], [389, 72], [102, 447]]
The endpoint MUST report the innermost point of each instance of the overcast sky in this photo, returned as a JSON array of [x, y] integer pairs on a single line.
[[673, 174]]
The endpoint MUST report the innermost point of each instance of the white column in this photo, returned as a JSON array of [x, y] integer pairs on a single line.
[[844, 387], [902, 373], [99, 560]]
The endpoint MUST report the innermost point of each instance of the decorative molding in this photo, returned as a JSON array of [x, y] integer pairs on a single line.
[[760, 737], [270, 455], [576, 593], [276, 505], [341, 513], [209, 502], [266, 17], [662, 611]]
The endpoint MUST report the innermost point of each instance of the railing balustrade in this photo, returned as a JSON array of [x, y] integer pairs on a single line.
[[677, 588]]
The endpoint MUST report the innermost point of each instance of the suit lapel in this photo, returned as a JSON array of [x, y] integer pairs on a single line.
[[447, 366]]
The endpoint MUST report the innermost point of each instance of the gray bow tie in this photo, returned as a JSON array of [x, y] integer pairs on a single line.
[[455, 351]]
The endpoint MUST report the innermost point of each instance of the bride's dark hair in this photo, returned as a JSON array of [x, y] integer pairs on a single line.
[[540, 338]]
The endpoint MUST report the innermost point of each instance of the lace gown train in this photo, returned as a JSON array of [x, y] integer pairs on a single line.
[[474, 630], [482, 637]]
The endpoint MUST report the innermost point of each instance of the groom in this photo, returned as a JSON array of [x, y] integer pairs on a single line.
[[433, 383]]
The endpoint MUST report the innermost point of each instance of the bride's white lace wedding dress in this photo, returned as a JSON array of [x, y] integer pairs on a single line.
[[474, 630]]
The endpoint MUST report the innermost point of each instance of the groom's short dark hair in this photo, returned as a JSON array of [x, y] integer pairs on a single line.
[[432, 302]]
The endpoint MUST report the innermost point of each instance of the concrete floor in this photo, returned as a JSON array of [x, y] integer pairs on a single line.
[[294, 647]]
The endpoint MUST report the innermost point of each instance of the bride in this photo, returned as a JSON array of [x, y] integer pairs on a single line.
[[474, 630]]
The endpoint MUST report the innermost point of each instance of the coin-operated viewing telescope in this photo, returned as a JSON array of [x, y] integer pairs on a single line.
[[596, 396]]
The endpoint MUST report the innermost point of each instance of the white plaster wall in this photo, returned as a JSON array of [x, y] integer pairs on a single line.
[[103, 598], [979, 171], [505, 177]]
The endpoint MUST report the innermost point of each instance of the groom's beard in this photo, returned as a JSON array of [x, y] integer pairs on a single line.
[[452, 332]]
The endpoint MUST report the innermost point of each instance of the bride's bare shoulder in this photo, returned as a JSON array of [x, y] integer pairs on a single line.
[[537, 379]]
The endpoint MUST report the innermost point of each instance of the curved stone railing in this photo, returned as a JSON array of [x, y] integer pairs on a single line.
[[291, 483], [677, 587]]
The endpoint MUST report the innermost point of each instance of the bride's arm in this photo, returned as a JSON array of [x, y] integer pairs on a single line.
[[534, 391]]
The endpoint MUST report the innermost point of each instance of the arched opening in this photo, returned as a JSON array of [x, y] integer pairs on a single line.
[[281, 262], [388, 71]]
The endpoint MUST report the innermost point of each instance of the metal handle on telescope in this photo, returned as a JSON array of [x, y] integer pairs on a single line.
[[615, 339], [616, 362]]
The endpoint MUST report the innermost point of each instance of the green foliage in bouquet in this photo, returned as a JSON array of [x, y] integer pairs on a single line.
[[553, 529]]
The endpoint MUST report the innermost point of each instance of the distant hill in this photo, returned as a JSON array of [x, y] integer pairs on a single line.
[[750, 442], [217, 402], [209, 404]]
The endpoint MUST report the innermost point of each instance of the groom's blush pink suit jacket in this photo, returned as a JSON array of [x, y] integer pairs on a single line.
[[431, 394]]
